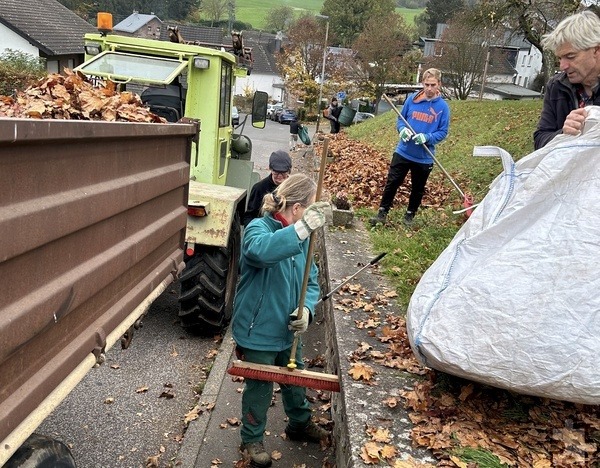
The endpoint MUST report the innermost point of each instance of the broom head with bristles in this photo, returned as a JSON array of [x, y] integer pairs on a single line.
[[285, 375]]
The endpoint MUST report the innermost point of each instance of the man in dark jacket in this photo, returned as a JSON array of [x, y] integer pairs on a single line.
[[280, 165], [333, 114], [576, 43], [294, 127]]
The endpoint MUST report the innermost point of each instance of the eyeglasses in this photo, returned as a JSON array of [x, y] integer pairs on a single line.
[[280, 174]]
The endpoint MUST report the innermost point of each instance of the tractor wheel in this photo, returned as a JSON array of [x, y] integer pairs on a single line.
[[208, 285], [39, 451]]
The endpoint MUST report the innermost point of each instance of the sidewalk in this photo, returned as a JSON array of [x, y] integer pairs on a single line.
[[213, 439]]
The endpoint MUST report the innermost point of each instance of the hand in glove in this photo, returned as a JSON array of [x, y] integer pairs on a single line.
[[420, 139], [313, 218], [405, 134], [299, 325]]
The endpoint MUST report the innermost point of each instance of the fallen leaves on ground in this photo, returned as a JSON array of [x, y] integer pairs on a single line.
[[72, 97], [463, 422], [360, 171]]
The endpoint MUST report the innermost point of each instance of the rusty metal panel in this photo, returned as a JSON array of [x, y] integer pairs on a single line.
[[221, 204], [92, 220]]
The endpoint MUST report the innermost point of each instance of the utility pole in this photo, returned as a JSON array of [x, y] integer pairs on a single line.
[[322, 72], [231, 16], [485, 70]]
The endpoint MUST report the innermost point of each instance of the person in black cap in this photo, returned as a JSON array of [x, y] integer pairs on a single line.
[[280, 165]]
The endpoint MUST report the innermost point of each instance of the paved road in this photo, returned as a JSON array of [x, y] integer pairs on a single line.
[[273, 137], [132, 407]]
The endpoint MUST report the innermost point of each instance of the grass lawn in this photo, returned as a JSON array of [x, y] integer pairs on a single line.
[[255, 11]]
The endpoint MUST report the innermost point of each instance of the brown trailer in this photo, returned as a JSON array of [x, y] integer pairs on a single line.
[[92, 224]]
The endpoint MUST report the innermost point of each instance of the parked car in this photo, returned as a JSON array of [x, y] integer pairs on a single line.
[[271, 108], [276, 114], [362, 116], [235, 116], [286, 116]]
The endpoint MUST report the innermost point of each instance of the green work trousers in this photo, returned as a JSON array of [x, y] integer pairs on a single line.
[[258, 394]]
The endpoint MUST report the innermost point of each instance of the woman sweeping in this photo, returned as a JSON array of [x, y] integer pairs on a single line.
[[265, 317]]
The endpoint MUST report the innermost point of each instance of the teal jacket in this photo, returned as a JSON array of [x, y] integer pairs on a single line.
[[271, 272]]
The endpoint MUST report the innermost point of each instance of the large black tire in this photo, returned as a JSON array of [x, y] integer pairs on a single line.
[[39, 451], [208, 285]]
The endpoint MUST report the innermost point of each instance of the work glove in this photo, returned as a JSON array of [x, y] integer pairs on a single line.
[[420, 138], [299, 325], [405, 134], [313, 218]]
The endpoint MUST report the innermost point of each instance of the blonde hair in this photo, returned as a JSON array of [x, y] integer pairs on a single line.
[[432, 73], [297, 188]]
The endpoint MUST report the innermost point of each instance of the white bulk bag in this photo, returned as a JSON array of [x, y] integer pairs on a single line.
[[514, 300]]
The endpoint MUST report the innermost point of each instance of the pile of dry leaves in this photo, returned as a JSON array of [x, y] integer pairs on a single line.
[[72, 97], [360, 171], [458, 419]]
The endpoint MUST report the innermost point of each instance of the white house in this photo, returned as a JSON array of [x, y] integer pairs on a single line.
[[264, 76], [43, 28], [513, 64]]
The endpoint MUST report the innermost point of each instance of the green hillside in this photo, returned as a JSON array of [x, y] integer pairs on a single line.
[[255, 11], [507, 124]]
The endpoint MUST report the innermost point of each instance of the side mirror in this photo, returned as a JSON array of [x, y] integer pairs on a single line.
[[259, 109]]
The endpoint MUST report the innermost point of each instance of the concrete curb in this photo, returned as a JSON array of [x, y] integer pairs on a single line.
[[196, 431]]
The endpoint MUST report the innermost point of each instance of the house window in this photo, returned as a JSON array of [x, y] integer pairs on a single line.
[[526, 82], [52, 66], [71, 64], [529, 63], [524, 58]]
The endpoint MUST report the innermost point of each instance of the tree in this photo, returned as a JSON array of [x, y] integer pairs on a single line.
[[18, 70], [214, 10], [462, 52], [439, 11], [532, 19], [279, 18], [348, 17], [300, 62], [380, 50], [120, 9]]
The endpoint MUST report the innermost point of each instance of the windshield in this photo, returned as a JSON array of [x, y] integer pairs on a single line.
[[130, 67]]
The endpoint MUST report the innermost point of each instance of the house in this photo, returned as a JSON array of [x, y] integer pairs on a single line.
[[511, 60], [264, 76], [43, 28], [139, 25]]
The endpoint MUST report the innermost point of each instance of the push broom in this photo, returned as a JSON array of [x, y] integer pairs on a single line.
[[467, 199], [291, 375]]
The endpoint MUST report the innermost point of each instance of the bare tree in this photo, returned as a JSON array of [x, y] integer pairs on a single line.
[[530, 18], [279, 18], [461, 54], [380, 49], [214, 10]]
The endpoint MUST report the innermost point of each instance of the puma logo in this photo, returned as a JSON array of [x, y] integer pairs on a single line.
[[428, 117]]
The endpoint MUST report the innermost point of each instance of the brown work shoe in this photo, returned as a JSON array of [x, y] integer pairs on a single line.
[[259, 457], [310, 433]]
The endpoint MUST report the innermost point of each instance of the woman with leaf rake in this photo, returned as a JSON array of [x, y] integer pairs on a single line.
[[266, 317]]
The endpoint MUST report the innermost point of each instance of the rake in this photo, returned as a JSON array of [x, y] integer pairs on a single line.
[[291, 375], [467, 199]]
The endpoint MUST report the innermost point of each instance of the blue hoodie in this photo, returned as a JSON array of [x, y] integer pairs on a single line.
[[429, 117]]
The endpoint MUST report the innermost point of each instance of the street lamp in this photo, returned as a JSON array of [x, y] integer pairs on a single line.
[[322, 72]]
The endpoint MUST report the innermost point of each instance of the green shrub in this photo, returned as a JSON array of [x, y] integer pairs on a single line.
[[18, 70]]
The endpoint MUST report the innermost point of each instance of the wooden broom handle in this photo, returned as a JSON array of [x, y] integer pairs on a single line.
[[311, 249]]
